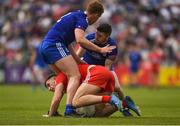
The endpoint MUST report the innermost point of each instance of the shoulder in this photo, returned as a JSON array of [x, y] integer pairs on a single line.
[[79, 14], [112, 41]]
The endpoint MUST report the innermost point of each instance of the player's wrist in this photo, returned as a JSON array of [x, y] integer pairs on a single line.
[[101, 50]]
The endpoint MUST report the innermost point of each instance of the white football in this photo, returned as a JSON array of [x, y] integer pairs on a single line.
[[88, 111]]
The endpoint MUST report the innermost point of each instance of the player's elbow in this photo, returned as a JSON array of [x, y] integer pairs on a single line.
[[80, 40]]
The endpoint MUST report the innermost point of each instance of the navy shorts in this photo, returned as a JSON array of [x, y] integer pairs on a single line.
[[52, 51]]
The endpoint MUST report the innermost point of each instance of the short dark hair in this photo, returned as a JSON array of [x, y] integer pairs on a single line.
[[95, 7], [105, 28], [50, 76]]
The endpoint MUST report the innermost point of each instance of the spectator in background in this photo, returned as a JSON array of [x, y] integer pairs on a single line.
[[37, 65], [155, 57], [134, 63]]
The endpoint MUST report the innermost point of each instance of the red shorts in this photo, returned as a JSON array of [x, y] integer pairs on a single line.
[[101, 77]]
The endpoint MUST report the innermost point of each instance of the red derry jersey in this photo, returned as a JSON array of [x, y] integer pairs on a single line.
[[91, 74]]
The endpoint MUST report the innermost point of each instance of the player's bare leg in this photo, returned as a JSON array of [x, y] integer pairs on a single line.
[[87, 95], [68, 66]]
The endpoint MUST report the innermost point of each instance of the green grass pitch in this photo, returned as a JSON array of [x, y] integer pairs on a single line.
[[19, 105]]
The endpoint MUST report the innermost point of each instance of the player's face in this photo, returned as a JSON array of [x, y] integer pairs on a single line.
[[101, 38], [51, 84], [93, 18]]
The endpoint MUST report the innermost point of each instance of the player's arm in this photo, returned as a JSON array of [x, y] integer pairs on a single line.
[[81, 51], [109, 62], [75, 56], [58, 94], [80, 38]]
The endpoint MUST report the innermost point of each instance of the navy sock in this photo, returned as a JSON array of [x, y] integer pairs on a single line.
[[69, 109]]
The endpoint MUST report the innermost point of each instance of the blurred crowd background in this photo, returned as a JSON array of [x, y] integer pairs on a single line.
[[151, 27]]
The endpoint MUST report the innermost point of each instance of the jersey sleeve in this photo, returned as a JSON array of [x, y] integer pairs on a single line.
[[114, 51], [81, 23]]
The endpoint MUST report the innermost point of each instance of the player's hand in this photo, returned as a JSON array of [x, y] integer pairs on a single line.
[[107, 49]]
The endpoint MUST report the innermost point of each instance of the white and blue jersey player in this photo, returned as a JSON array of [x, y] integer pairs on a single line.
[[57, 51]]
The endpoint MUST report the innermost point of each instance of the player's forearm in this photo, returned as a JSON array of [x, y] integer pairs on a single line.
[[54, 107], [79, 35], [80, 52], [89, 45], [118, 87], [56, 100], [108, 64]]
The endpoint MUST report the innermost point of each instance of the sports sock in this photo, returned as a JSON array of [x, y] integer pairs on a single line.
[[106, 98], [69, 109], [123, 103]]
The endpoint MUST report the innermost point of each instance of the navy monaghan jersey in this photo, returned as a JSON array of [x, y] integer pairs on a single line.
[[92, 57], [63, 30]]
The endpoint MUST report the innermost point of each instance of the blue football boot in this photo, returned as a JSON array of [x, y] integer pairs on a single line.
[[126, 112], [131, 105]]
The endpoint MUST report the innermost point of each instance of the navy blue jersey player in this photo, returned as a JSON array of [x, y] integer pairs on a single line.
[[92, 57], [58, 52], [100, 38]]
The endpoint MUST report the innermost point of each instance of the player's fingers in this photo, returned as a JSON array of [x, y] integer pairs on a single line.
[[112, 47]]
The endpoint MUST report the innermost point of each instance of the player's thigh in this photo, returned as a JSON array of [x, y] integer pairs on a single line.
[[68, 65], [54, 68], [86, 89]]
